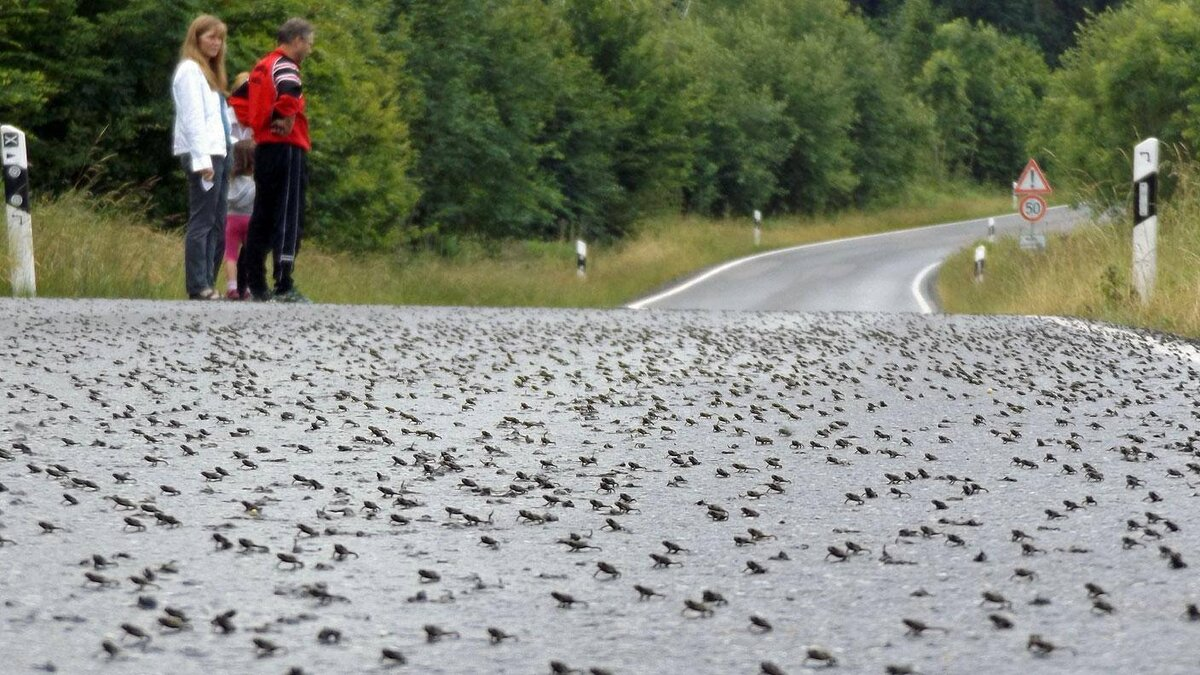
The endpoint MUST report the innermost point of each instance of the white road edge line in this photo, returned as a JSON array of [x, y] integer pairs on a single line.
[[641, 304], [925, 305]]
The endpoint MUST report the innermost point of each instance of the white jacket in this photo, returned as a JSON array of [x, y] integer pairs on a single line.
[[199, 132]]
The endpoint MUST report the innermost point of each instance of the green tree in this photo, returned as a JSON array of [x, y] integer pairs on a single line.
[[891, 130], [944, 88], [819, 89], [362, 161], [474, 133], [985, 89], [503, 118], [25, 82], [1048, 23], [633, 47], [915, 24], [516, 133], [1051, 24], [742, 133], [95, 78], [1134, 74]]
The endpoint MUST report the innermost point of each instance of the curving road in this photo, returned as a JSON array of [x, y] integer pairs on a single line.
[[887, 272]]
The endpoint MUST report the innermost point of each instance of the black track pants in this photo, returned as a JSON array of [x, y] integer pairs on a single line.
[[281, 181]]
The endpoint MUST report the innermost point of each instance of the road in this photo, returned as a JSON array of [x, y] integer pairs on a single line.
[[888, 272], [832, 474]]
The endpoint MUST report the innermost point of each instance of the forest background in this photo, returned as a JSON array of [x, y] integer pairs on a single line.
[[440, 121]]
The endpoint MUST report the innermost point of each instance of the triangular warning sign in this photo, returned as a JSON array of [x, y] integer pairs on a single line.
[[1033, 181]]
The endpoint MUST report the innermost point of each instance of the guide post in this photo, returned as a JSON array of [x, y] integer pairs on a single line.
[[1145, 217], [15, 163]]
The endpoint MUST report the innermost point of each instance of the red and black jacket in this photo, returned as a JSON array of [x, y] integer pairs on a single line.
[[276, 92]]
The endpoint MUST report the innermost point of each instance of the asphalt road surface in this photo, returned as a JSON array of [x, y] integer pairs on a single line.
[[889, 272], [340, 481]]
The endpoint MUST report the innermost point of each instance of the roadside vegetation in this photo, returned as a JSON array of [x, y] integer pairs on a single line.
[[1087, 273], [1124, 81], [107, 247]]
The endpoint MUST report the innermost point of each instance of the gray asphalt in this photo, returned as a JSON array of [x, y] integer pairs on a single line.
[[490, 412], [875, 273]]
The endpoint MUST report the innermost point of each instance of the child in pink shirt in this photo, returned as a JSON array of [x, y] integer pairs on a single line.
[[237, 222]]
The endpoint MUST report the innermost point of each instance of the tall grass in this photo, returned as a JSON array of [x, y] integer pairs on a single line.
[[100, 247], [104, 247], [1087, 273]]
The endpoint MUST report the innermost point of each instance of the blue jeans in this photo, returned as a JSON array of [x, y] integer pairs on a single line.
[[204, 243]]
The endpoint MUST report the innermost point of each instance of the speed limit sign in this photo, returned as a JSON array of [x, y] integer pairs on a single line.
[[1033, 208]]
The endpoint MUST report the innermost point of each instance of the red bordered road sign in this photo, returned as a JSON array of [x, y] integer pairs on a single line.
[[1033, 181], [1033, 208]]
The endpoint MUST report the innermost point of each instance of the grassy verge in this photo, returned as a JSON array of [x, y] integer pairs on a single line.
[[101, 247], [1087, 273]]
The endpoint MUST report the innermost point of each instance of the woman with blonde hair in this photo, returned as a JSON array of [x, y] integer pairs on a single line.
[[202, 140]]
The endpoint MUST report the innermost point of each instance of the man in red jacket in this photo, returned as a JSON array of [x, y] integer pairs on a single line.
[[276, 112]]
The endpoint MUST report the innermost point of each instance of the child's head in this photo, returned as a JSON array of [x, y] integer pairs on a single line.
[[243, 158], [239, 82]]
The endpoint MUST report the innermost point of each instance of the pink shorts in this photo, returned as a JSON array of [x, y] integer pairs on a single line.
[[236, 226]]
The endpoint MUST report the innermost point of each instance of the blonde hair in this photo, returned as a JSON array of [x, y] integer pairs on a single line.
[[214, 68]]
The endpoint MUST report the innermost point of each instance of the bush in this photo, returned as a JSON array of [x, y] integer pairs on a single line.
[[1133, 75], [984, 88]]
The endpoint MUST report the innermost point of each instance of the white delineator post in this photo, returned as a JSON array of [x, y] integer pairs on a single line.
[[1145, 217], [581, 257], [992, 226], [15, 164], [980, 261], [757, 227]]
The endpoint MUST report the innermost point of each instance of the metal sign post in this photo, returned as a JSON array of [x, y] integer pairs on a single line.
[[15, 165], [1033, 209], [1145, 217]]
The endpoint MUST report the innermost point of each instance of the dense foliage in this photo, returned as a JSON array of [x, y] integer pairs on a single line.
[[984, 89], [1134, 74], [1048, 23], [435, 119]]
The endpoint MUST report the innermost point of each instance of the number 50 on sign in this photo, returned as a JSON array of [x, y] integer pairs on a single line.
[[1033, 208]]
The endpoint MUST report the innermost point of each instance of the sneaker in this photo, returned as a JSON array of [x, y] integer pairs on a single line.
[[292, 296], [232, 294], [206, 294], [265, 296]]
